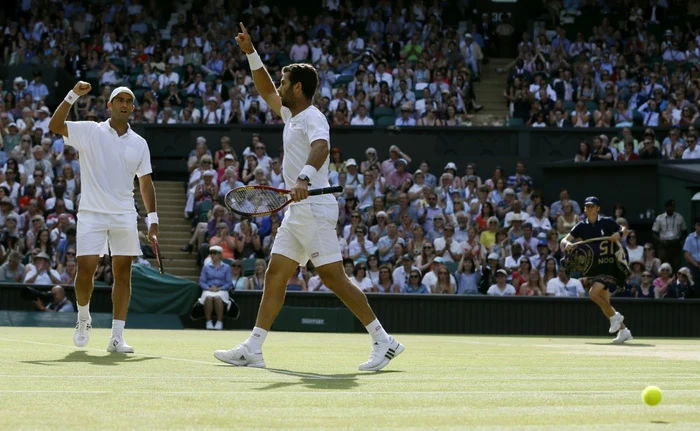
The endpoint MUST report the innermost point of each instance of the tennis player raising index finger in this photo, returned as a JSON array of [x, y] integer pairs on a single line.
[[308, 229]]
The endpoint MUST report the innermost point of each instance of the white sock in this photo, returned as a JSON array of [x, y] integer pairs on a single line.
[[377, 332], [256, 339], [84, 311], [117, 328]]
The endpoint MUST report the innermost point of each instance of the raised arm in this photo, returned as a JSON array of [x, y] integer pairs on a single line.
[[261, 77], [58, 122]]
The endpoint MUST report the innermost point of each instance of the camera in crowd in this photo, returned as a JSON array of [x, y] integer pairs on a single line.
[[32, 294]]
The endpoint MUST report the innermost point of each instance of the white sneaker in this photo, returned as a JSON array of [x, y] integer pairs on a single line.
[[81, 337], [241, 356], [622, 336], [210, 325], [118, 345], [381, 354], [219, 326], [615, 322]]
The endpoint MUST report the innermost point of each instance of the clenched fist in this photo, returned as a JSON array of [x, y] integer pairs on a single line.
[[244, 41], [82, 88]]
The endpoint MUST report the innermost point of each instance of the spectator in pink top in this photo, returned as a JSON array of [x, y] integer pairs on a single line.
[[399, 175], [389, 165]]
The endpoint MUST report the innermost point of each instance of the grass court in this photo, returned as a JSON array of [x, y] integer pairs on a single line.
[[439, 382]]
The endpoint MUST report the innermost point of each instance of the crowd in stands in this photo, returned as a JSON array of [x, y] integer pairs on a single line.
[[406, 226], [635, 65], [377, 64]]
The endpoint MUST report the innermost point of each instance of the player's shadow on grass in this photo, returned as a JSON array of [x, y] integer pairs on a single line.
[[323, 382], [103, 360], [622, 344]]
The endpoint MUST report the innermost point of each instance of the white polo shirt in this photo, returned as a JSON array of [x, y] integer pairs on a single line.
[[300, 131], [108, 164], [573, 288]]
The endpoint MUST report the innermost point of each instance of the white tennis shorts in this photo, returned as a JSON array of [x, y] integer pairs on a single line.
[[100, 233], [308, 233]]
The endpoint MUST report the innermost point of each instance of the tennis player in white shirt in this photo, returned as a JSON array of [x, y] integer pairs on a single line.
[[111, 154], [308, 229]]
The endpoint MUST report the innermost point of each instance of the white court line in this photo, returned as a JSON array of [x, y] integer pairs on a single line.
[[194, 361], [344, 393]]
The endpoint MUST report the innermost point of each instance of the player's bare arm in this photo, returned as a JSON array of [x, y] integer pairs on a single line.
[[317, 157], [58, 122], [148, 193], [566, 243], [261, 77]]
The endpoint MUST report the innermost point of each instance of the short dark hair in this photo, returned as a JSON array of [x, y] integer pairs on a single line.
[[305, 74], [71, 231]]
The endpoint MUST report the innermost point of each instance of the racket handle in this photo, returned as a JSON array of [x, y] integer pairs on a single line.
[[326, 190]]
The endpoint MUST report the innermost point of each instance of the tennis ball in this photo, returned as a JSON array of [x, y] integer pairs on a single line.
[[651, 395]]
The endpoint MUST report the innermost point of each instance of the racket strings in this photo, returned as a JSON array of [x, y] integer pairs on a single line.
[[254, 200]]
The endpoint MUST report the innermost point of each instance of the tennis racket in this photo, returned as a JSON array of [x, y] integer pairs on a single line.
[[263, 200], [156, 250]]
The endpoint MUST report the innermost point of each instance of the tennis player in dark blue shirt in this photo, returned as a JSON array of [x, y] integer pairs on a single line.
[[595, 226]]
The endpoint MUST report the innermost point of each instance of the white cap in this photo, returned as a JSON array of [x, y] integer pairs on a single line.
[[45, 110], [120, 90], [12, 125], [493, 256], [229, 157], [381, 214], [451, 165], [350, 162], [208, 173], [216, 248]]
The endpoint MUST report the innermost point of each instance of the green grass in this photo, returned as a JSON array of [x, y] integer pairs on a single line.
[[447, 382]]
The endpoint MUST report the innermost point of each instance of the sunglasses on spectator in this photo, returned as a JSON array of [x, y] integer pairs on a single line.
[[415, 276], [213, 252], [647, 249], [259, 148], [646, 275], [355, 216], [361, 268], [236, 266], [70, 253], [360, 232], [428, 247], [26, 140]]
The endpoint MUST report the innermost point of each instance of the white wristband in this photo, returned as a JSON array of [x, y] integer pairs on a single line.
[[71, 97], [152, 218], [255, 61], [309, 171]]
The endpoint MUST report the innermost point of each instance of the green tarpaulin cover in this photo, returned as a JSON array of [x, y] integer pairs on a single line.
[[161, 294]]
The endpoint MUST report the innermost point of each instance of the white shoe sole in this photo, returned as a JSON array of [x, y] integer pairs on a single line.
[[386, 361], [614, 327], [223, 357]]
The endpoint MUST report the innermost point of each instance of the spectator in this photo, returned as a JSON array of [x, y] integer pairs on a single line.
[[414, 284], [60, 303], [663, 281], [360, 278], [468, 276], [692, 151], [405, 119], [501, 288], [215, 281], [257, 280], [12, 270], [562, 285], [41, 273], [669, 229]]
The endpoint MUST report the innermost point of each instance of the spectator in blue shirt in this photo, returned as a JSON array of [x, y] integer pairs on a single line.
[[692, 252], [414, 283], [37, 89], [215, 281]]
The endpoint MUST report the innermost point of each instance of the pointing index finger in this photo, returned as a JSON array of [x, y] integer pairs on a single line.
[[243, 28]]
